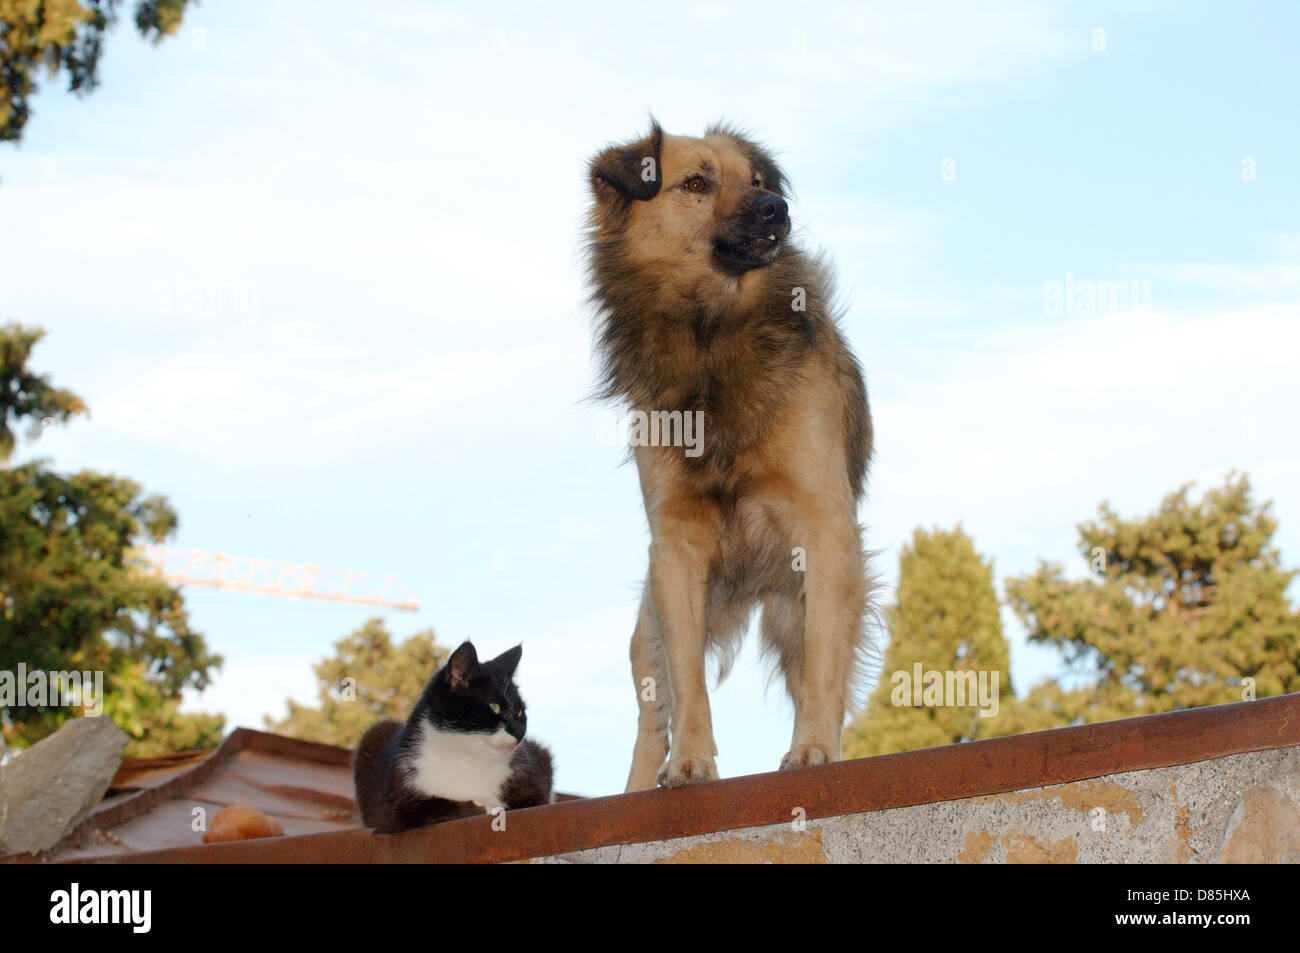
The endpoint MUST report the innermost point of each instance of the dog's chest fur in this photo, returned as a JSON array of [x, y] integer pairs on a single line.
[[739, 360], [738, 369]]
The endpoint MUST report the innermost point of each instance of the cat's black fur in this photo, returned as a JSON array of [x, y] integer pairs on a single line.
[[457, 699]]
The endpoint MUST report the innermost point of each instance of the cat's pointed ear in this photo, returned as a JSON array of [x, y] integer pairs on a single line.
[[462, 666], [509, 660]]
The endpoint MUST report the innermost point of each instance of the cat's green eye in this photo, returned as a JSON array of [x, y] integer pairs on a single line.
[[496, 709]]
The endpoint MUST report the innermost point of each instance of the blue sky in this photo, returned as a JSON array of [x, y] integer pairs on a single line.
[[393, 203]]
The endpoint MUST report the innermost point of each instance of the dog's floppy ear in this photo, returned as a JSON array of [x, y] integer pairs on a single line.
[[629, 172]]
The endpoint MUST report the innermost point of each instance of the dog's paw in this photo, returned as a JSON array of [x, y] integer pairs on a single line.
[[686, 769], [800, 756]]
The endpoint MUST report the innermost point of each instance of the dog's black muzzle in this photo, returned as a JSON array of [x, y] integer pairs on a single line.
[[753, 236]]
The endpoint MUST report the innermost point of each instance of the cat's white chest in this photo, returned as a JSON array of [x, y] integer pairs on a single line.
[[461, 767]]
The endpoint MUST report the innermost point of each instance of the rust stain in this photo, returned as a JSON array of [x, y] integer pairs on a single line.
[[1180, 848], [1023, 848], [1083, 796], [1269, 832], [977, 847], [783, 849]]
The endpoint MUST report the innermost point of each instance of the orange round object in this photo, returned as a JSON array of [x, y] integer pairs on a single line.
[[241, 822]]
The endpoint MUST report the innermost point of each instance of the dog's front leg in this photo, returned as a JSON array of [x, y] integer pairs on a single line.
[[835, 589], [653, 701], [679, 563]]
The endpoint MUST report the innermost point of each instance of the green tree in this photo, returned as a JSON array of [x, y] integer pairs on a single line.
[[75, 594], [945, 618], [25, 394], [63, 36], [1181, 608], [367, 679]]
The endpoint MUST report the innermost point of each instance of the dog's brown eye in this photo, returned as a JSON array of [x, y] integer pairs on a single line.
[[696, 183], [758, 183]]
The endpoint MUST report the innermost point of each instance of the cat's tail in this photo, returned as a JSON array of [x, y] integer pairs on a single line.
[[372, 745], [371, 770]]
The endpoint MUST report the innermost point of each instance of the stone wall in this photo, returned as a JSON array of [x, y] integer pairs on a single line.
[[1243, 808]]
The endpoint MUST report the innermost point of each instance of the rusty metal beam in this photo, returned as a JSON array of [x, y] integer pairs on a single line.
[[974, 769]]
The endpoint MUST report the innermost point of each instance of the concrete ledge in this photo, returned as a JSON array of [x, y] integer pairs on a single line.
[[1239, 809]]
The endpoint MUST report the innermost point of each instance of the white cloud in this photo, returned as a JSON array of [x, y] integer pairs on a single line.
[[1020, 433], [1274, 281]]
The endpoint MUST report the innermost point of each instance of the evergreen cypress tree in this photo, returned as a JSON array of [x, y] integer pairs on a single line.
[[946, 619]]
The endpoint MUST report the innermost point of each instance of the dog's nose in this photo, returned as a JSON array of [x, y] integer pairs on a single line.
[[771, 208]]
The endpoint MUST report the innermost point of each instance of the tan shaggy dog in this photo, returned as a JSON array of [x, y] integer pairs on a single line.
[[708, 312]]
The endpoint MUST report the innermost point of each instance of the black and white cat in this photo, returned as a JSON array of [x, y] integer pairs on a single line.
[[462, 751]]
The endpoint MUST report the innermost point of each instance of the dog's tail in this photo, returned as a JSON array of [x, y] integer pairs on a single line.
[[867, 657]]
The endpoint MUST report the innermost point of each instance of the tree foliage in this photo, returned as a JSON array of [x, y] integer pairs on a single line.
[[74, 592], [63, 37], [368, 678], [1182, 607], [25, 394], [946, 618]]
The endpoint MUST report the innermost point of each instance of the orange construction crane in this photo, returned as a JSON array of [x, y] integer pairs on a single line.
[[194, 567]]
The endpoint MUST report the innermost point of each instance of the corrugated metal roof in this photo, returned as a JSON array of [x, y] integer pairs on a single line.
[[151, 803], [308, 788]]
